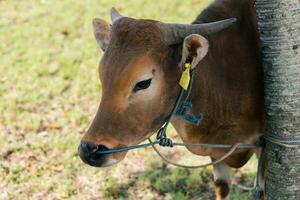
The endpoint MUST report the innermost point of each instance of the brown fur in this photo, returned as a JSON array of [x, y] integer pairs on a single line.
[[228, 85]]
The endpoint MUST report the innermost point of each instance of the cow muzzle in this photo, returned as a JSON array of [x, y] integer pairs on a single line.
[[89, 154]]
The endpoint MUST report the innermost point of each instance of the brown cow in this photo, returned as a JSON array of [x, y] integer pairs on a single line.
[[139, 74]]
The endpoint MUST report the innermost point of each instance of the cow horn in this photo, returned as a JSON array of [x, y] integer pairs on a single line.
[[114, 15], [175, 33]]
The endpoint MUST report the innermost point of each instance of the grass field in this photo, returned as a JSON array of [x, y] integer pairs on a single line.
[[49, 92]]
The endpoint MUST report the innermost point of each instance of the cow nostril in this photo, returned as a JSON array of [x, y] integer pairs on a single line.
[[89, 153], [88, 147]]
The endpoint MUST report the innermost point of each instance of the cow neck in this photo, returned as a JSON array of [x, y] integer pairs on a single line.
[[181, 107]]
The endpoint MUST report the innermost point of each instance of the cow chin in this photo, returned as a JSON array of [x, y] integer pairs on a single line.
[[105, 161], [110, 160]]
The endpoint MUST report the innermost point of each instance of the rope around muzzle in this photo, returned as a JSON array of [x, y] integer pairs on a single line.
[[172, 144]]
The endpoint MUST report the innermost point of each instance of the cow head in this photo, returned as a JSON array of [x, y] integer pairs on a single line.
[[139, 74]]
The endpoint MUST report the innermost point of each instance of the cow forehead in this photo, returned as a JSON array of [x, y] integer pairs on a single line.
[[128, 31]]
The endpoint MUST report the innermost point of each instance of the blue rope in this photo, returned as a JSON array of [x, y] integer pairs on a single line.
[[161, 142], [122, 149]]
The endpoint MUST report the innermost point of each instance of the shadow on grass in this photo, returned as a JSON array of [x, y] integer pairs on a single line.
[[177, 183], [172, 183]]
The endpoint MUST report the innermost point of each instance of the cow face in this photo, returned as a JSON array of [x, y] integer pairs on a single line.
[[138, 89], [139, 74]]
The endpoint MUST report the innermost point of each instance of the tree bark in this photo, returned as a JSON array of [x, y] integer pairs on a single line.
[[279, 26]]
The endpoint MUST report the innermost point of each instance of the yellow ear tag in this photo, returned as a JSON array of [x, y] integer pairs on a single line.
[[185, 77]]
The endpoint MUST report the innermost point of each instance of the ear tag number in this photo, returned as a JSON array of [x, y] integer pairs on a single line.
[[185, 77]]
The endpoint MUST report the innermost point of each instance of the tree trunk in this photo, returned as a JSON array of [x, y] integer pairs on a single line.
[[279, 25]]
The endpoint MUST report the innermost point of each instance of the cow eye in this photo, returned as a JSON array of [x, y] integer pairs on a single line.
[[142, 85]]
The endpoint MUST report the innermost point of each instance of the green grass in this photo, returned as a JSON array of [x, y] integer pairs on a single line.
[[49, 92]]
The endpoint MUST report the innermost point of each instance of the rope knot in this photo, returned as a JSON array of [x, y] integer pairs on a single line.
[[162, 138], [165, 142]]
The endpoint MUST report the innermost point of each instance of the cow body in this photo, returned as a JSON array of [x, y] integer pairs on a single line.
[[228, 85], [139, 74]]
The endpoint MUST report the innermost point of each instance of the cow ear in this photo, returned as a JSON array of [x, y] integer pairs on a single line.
[[194, 48], [101, 32]]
